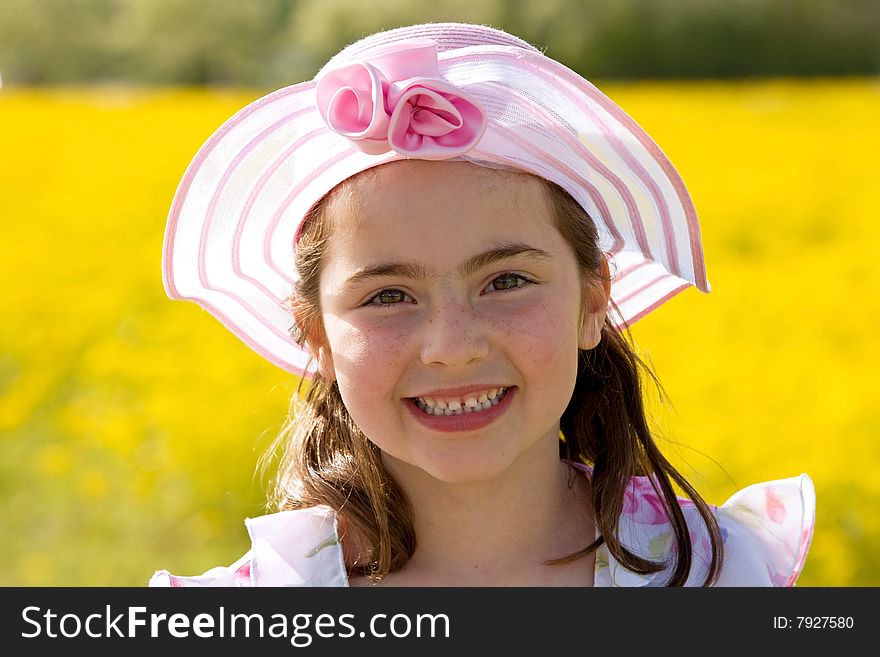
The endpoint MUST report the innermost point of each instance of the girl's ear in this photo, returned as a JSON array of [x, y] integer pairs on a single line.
[[324, 358], [316, 347], [325, 364], [597, 294]]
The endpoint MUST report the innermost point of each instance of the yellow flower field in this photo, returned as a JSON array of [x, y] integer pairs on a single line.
[[130, 426]]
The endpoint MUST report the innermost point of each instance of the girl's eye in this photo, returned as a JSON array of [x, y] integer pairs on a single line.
[[509, 282], [388, 297]]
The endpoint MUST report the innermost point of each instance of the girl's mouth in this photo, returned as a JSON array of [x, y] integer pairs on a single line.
[[475, 403]]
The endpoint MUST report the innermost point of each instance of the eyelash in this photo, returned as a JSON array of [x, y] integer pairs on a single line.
[[379, 304], [525, 281]]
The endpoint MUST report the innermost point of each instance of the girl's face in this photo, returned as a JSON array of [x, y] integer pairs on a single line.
[[447, 284]]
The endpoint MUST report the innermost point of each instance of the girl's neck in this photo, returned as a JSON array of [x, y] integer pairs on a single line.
[[500, 533]]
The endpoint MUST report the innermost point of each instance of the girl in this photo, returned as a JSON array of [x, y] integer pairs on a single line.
[[446, 231]]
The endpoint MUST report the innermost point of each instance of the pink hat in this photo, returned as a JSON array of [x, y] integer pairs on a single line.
[[434, 91]]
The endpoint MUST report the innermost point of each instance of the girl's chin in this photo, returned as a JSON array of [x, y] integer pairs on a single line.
[[458, 470]]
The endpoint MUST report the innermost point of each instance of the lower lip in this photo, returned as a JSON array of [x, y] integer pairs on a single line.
[[465, 421]]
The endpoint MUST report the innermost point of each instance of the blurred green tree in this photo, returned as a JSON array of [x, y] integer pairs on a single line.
[[266, 43]]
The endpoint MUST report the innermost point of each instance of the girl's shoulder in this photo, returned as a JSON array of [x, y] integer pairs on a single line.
[[288, 548], [766, 529]]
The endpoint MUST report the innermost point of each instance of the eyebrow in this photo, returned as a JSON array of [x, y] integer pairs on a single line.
[[419, 271]]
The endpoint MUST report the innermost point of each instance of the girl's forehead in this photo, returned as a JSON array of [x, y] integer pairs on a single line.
[[412, 192], [438, 215]]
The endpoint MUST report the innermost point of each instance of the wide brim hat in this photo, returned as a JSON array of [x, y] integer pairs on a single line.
[[434, 91]]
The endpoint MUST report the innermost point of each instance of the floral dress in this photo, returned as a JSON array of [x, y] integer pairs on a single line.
[[767, 529]]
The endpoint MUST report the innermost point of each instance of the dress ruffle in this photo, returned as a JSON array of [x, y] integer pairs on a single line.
[[288, 548], [767, 529]]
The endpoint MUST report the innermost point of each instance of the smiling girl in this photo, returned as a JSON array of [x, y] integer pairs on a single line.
[[446, 233]]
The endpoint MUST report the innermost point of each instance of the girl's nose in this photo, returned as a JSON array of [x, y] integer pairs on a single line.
[[454, 336]]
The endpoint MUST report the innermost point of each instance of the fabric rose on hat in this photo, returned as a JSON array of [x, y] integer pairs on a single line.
[[396, 99]]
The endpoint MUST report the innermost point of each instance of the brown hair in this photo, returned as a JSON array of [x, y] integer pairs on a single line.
[[326, 460]]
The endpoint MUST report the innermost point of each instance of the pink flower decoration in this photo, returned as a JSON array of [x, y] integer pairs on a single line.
[[775, 506], [641, 503], [242, 576], [396, 99], [778, 579]]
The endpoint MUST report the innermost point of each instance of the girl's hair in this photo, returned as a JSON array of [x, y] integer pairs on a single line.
[[327, 460]]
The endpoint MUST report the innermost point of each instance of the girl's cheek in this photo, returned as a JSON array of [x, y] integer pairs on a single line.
[[538, 330], [369, 344]]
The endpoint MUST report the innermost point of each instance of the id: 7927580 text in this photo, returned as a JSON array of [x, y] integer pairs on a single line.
[[813, 622]]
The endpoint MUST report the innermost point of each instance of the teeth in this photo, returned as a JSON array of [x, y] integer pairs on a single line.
[[474, 404]]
